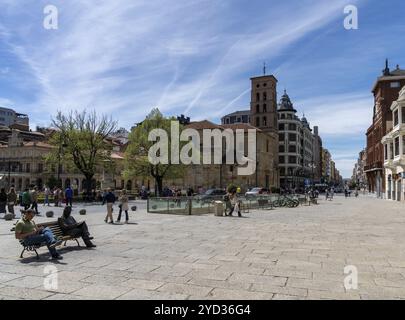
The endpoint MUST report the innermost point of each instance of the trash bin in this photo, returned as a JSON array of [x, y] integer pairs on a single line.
[[219, 208]]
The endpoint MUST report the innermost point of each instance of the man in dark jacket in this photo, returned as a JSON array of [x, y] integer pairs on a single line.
[[109, 199], [75, 229]]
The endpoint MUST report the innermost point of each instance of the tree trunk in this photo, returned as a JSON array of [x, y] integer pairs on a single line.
[[159, 184], [88, 187]]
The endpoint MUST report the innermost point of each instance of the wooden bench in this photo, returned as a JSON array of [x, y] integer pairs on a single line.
[[57, 232]]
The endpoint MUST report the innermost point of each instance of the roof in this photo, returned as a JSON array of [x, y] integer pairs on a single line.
[[285, 103], [243, 126], [237, 113], [204, 124], [388, 75]]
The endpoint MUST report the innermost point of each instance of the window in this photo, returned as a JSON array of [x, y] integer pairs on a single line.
[[391, 150], [267, 146], [292, 159], [385, 151], [40, 167], [264, 121], [292, 127], [281, 136], [289, 116], [281, 149], [281, 126], [257, 109], [395, 84], [257, 96], [265, 108], [257, 122], [28, 167], [396, 149], [403, 114], [281, 159], [395, 117], [403, 144], [282, 171], [292, 149], [264, 96], [292, 137], [283, 116]]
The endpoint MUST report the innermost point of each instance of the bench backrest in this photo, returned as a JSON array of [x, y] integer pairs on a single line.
[[54, 226]]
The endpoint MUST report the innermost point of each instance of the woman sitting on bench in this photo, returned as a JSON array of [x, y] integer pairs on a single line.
[[75, 229]]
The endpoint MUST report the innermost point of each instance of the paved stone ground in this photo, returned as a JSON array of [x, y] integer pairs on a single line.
[[280, 254]]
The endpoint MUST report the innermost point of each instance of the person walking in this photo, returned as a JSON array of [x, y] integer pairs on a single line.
[[123, 199], [332, 193], [326, 194], [11, 201], [47, 193], [109, 199], [69, 196], [34, 199], [3, 200], [56, 197], [26, 199]]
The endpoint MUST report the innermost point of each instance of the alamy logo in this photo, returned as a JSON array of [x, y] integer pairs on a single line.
[[351, 22], [211, 153], [51, 278], [51, 17], [352, 279]]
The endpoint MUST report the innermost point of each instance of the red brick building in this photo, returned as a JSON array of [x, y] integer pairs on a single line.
[[386, 90]]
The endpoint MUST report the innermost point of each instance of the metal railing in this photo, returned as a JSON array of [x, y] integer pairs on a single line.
[[195, 206]]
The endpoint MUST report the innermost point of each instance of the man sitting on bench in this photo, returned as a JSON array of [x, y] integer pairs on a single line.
[[75, 229], [27, 230]]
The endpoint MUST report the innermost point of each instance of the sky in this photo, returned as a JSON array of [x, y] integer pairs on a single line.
[[196, 57]]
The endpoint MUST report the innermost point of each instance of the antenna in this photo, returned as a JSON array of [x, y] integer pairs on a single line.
[[264, 68]]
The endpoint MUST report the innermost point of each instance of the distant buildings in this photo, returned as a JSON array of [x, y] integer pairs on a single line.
[[385, 90], [11, 119], [359, 177]]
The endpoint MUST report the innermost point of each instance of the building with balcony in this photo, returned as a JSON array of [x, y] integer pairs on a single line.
[[394, 151], [296, 142], [385, 90]]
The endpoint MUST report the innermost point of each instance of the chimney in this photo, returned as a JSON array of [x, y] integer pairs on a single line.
[[316, 130]]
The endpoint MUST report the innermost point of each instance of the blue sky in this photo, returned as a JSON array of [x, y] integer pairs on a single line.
[[195, 57]]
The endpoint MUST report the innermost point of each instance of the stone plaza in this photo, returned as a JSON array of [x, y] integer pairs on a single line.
[[283, 253]]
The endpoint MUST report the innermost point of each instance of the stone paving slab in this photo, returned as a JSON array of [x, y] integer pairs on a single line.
[[277, 254]]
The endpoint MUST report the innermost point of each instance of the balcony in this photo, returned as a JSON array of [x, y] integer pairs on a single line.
[[374, 167]]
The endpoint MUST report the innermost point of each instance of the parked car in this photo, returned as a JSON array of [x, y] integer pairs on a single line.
[[254, 192], [212, 194]]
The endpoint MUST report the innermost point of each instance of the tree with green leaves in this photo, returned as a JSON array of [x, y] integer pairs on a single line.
[[136, 156], [81, 142]]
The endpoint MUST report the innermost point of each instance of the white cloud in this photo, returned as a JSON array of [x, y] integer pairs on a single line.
[[124, 57]]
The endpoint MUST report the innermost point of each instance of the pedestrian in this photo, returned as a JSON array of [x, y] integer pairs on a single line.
[[123, 199], [235, 203], [69, 196], [56, 197], [109, 199], [327, 194], [11, 201], [26, 199], [3, 200], [34, 199], [47, 193], [332, 192]]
